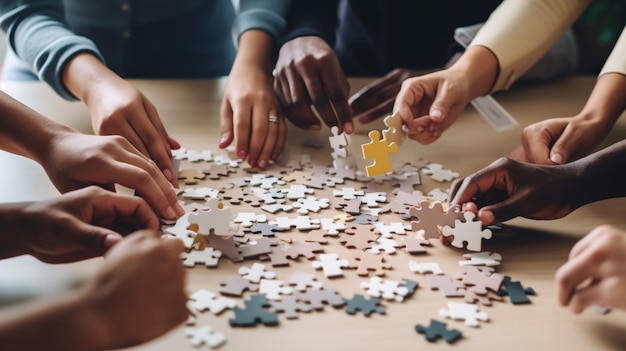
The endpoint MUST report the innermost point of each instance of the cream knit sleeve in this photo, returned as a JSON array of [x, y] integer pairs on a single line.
[[520, 32], [616, 63]]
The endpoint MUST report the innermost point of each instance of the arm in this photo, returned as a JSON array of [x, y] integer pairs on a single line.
[[37, 33], [112, 310], [520, 32], [74, 68], [507, 188], [559, 140], [249, 98], [53, 145]]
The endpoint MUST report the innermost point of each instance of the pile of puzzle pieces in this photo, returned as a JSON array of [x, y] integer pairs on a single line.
[[274, 218]]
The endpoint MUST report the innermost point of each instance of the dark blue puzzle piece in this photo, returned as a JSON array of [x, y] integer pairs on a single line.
[[255, 312], [516, 292], [437, 330], [367, 307]]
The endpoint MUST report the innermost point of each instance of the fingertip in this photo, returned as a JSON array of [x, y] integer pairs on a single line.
[[486, 216], [436, 114], [110, 240], [348, 127], [556, 158]]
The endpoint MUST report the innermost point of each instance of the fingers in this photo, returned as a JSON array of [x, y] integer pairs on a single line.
[[562, 149], [588, 296], [298, 107], [444, 99], [573, 273], [105, 204], [536, 146], [226, 127], [338, 90], [259, 135], [155, 139]]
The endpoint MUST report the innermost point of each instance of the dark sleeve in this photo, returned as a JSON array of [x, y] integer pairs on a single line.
[[312, 18]]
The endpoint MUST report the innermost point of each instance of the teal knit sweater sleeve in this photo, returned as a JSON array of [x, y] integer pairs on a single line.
[[266, 15], [37, 33]]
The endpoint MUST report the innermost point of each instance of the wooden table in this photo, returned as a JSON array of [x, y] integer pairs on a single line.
[[532, 250]]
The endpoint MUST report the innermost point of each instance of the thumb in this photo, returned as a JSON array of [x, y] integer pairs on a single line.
[[226, 128], [562, 149], [441, 104], [97, 240]]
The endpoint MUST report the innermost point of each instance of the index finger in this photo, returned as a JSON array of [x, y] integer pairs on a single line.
[[127, 207], [338, 90]]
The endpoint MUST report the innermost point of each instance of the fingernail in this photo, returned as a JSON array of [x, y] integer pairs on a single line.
[[556, 158], [275, 157], [169, 212], [168, 174], [242, 153], [179, 210], [262, 164], [252, 163], [111, 240], [348, 127], [436, 114]]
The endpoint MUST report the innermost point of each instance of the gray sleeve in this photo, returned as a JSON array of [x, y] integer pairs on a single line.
[[266, 15], [37, 33]]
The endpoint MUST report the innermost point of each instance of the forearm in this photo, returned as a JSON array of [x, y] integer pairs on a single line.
[[312, 18], [520, 32], [602, 174], [62, 323], [83, 72], [480, 66], [37, 33], [607, 100], [255, 50], [25, 132], [11, 230]]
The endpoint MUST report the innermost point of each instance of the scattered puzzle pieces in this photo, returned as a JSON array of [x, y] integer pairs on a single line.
[[437, 330]]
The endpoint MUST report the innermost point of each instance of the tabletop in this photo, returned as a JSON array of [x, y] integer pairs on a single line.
[[531, 250]]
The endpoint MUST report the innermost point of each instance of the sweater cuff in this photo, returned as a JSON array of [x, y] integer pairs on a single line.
[[264, 20], [49, 65]]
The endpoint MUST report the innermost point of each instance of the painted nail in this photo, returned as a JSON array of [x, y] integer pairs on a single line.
[[242, 154], [169, 212], [262, 164], [168, 174], [252, 163]]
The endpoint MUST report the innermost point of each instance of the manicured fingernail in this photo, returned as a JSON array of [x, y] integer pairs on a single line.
[[348, 127], [262, 164], [179, 210], [242, 153], [169, 212], [252, 163], [556, 158], [111, 240], [437, 114], [168, 174]]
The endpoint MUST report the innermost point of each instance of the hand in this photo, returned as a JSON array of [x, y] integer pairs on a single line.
[[105, 160], [507, 189], [118, 108], [139, 293], [376, 99], [429, 104], [81, 224], [308, 73], [595, 273], [560, 140], [249, 102]]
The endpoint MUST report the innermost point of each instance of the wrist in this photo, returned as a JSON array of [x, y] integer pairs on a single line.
[[13, 234], [480, 66], [256, 50], [84, 73]]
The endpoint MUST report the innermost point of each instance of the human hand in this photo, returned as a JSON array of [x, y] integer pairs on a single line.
[[248, 105], [376, 99], [429, 104], [506, 189], [308, 73], [81, 224], [139, 292], [595, 273], [103, 161], [560, 140], [118, 108]]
